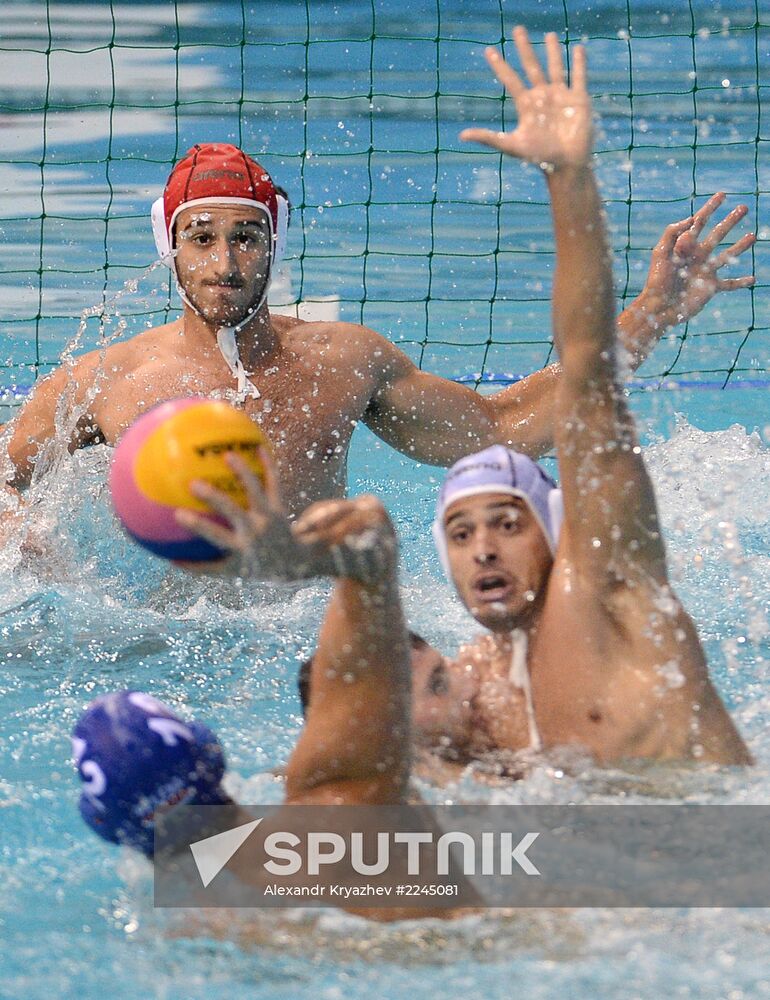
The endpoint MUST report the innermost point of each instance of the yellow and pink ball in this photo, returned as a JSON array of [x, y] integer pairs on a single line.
[[162, 453]]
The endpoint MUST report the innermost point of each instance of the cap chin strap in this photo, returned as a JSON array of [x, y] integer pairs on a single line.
[[518, 675], [228, 347]]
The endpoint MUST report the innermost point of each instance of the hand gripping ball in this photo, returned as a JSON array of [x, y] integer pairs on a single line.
[[158, 457]]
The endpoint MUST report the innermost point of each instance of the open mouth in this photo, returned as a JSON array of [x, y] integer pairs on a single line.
[[493, 587]]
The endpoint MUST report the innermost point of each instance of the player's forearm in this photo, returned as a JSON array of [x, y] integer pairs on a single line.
[[640, 326], [358, 726], [363, 637], [583, 299]]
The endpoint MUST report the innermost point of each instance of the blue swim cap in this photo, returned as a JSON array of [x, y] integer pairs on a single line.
[[135, 756], [500, 470]]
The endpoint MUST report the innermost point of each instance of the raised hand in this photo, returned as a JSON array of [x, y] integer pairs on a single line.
[[357, 536], [340, 538], [683, 275], [258, 540], [554, 127]]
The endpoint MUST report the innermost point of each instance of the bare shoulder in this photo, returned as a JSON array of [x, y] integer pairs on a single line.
[[340, 341], [120, 357], [145, 346]]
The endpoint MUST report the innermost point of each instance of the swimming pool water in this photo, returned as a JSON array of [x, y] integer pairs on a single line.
[[92, 613]]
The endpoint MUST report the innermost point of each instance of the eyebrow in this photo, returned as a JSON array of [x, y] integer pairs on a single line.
[[516, 502], [199, 223]]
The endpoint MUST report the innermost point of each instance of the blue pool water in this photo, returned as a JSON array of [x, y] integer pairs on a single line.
[[92, 613]]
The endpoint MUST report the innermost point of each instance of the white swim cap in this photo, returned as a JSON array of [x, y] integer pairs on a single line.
[[500, 470]]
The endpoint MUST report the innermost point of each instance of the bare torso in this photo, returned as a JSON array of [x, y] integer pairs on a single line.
[[313, 389], [627, 680]]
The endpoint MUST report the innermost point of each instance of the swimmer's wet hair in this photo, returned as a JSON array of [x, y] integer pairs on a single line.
[[303, 678]]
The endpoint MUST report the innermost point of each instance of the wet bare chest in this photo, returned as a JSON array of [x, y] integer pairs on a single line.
[[618, 691], [308, 415], [500, 715]]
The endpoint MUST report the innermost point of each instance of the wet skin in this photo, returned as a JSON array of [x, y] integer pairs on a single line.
[[317, 380], [592, 652]]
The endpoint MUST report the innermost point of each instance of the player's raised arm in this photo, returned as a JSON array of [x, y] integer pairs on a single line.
[[356, 743], [610, 517], [355, 747], [438, 422]]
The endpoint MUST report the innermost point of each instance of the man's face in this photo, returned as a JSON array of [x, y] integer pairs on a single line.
[[223, 259], [499, 558], [441, 700]]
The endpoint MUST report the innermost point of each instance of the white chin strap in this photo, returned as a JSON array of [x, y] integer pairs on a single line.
[[518, 675], [228, 346]]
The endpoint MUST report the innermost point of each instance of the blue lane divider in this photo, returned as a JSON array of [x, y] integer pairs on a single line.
[[508, 378], [18, 393]]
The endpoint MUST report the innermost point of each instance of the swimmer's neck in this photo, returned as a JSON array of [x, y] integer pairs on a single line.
[[500, 636], [258, 343]]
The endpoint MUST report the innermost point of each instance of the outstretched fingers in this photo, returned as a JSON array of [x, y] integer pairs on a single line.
[[733, 284], [270, 474], [263, 497], [554, 59], [219, 502], [579, 72], [527, 56], [715, 235], [704, 213], [484, 136], [237, 518], [506, 74], [730, 254]]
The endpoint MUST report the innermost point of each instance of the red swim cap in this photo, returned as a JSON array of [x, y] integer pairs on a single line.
[[215, 170]]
